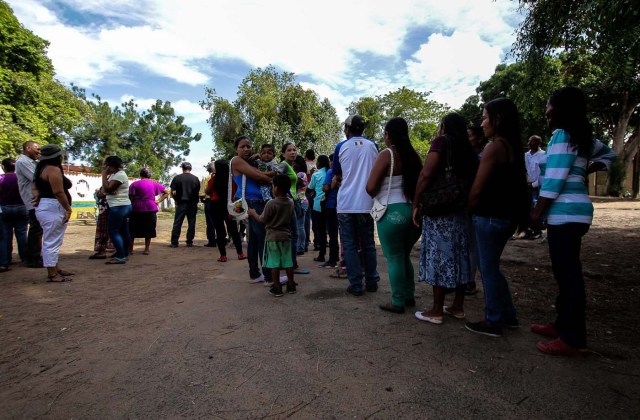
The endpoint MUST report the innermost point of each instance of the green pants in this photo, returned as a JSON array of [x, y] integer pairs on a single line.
[[397, 235]]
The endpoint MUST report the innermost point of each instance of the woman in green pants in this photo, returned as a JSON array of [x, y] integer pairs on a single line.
[[396, 230]]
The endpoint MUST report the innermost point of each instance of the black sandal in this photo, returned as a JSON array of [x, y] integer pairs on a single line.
[[63, 279]]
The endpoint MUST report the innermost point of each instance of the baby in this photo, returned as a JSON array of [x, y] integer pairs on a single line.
[[265, 163]]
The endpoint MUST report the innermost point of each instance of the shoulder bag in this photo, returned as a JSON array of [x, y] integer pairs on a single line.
[[378, 210], [238, 210], [448, 194]]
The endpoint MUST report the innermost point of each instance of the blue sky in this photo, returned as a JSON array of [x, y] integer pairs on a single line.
[[342, 49]]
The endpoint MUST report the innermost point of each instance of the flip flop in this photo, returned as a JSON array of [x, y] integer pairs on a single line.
[[301, 271], [64, 273], [97, 257], [431, 319], [456, 315], [63, 279], [222, 258], [116, 261]]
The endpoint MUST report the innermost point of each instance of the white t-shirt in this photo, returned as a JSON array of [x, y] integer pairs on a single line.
[[354, 158], [121, 195]]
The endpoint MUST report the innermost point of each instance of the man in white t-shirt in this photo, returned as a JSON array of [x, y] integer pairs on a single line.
[[532, 159], [352, 162]]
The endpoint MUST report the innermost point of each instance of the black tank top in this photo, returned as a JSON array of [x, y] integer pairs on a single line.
[[45, 188]]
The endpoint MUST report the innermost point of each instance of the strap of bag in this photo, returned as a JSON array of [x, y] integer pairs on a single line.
[[244, 181], [386, 203]]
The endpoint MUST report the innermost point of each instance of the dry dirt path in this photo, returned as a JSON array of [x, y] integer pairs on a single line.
[[176, 334]]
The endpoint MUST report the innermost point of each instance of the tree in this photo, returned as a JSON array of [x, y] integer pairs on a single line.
[[33, 105], [422, 114], [155, 138], [271, 108], [601, 37]]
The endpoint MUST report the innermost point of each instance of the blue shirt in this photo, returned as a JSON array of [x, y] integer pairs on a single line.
[[331, 200], [316, 184]]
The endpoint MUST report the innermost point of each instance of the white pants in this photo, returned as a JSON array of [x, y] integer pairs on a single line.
[[50, 214]]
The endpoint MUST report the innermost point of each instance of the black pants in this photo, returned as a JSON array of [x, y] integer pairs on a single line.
[[564, 249], [34, 240], [189, 210], [220, 216], [331, 221]]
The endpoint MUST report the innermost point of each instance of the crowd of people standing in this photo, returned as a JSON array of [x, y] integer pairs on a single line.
[[282, 203]]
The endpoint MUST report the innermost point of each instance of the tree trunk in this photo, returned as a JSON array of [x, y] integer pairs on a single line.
[[617, 173]]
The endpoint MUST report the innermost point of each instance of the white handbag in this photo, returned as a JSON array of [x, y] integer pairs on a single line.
[[238, 210], [378, 210]]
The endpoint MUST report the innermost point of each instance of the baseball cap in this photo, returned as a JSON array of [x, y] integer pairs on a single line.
[[186, 165], [356, 122]]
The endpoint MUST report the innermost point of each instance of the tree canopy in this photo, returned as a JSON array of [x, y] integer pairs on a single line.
[[271, 107]]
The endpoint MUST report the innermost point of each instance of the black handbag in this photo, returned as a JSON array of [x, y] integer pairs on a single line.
[[448, 194]]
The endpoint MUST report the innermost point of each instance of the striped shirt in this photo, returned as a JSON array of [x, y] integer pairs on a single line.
[[564, 174]]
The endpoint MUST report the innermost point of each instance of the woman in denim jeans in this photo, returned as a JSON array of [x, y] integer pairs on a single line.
[[572, 154], [115, 184], [499, 200]]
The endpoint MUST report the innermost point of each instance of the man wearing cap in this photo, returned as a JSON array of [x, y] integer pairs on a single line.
[[25, 168], [205, 185], [184, 189], [352, 162]]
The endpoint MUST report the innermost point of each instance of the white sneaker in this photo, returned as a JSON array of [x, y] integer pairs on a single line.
[[258, 279]]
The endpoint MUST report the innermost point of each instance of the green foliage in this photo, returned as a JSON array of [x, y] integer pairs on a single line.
[[421, 113], [33, 105], [271, 108], [155, 138]]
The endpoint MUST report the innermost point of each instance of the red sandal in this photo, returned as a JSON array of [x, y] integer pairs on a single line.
[[242, 256], [223, 258]]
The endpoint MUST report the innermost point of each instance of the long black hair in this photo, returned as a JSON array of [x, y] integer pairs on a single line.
[[57, 162], [570, 114], [221, 180], [323, 162], [398, 131], [464, 159], [503, 115]]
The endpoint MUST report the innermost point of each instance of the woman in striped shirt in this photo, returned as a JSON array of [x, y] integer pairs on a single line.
[[572, 153]]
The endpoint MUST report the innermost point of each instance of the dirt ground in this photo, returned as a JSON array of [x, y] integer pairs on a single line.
[[176, 334]]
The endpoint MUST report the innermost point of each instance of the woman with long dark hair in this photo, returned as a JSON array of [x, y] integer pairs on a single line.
[[53, 209], [499, 200], [445, 260], [565, 201], [217, 190], [396, 230]]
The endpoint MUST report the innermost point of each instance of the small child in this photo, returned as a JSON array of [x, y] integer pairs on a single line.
[[265, 163], [277, 216], [301, 190]]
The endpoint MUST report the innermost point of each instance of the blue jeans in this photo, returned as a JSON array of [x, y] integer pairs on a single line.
[[15, 220], [302, 236], [492, 235], [209, 219], [255, 245], [357, 232], [118, 223], [189, 210]]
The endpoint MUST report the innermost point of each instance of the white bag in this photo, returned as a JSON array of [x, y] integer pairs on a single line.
[[378, 210], [238, 210]]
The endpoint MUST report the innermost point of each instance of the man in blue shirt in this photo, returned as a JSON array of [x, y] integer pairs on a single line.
[[352, 162]]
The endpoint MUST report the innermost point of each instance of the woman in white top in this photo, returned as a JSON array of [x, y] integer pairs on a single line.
[[396, 230], [115, 184]]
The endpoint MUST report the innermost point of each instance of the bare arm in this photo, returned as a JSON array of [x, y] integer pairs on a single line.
[[166, 193], [253, 213], [379, 170], [240, 166], [109, 187], [425, 179]]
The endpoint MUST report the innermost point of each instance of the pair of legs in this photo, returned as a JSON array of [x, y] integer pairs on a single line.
[[50, 214], [277, 255], [564, 249], [302, 236], [357, 228], [321, 228], [188, 210], [118, 225], [102, 241], [255, 244], [492, 235], [34, 241], [331, 219], [143, 225], [209, 217], [397, 235], [221, 218], [14, 221]]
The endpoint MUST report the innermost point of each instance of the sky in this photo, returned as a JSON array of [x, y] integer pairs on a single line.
[[342, 49]]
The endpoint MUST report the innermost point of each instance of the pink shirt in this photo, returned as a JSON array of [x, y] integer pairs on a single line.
[[143, 195]]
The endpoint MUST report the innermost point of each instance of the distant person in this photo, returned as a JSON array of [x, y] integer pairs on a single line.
[[14, 218], [184, 189], [330, 187], [445, 254], [310, 160], [318, 219], [352, 163], [115, 184], [532, 159], [25, 167], [50, 190], [396, 230], [102, 242], [145, 196], [217, 189], [499, 201], [478, 142], [277, 217], [572, 154], [206, 200], [477, 139]]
